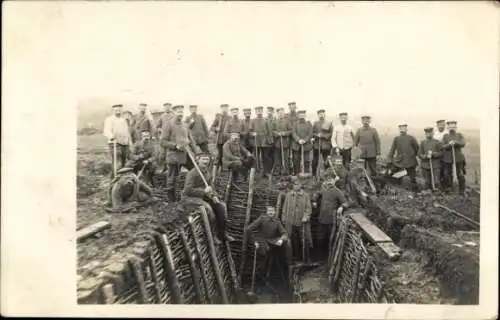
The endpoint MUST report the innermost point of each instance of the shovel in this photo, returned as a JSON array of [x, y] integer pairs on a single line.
[[456, 213], [454, 168], [370, 181], [251, 294], [114, 158], [302, 173], [282, 157], [432, 172]]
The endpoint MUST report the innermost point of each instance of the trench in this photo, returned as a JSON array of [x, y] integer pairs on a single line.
[[179, 263]]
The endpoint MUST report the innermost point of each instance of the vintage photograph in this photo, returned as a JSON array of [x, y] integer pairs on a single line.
[[325, 153]]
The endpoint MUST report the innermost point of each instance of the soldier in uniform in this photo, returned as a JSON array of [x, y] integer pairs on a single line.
[[127, 192], [430, 150], [260, 134], [195, 191], [233, 125], [281, 133], [302, 133], [454, 140], [267, 233], [162, 123], [175, 138], [271, 122], [218, 129], [322, 135], [438, 135], [343, 139], [295, 216], [332, 204], [245, 129], [117, 131], [143, 156], [367, 139], [403, 152], [292, 114], [142, 122], [235, 157], [199, 129]]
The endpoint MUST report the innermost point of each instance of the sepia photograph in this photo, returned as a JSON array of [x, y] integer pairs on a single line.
[[288, 153]]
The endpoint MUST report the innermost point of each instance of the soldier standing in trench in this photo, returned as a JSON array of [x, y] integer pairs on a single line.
[[438, 135], [430, 150], [233, 125], [163, 121], [143, 157], [217, 128], [403, 152], [245, 129], [456, 141], [281, 133], [260, 133], [343, 140], [322, 147], [367, 139], [271, 123], [199, 129], [142, 122], [175, 138], [302, 133], [117, 131]]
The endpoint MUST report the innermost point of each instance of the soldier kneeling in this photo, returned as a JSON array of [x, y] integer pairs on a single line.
[[127, 192], [196, 192], [236, 157], [267, 233]]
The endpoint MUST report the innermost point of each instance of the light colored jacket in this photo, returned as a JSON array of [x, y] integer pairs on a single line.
[[117, 127], [343, 136]]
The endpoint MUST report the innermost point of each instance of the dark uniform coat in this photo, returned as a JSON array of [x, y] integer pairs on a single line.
[[218, 126], [231, 152], [198, 127], [322, 132], [142, 151], [175, 134], [437, 152], [403, 152], [233, 125], [460, 143], [302, 129], [244, 130], [292, 117], [331, 199], [271, 122], [297, 206], [260, 133], [142, 123], [282, 128], [194, 186], [368, 141], [164, 120]]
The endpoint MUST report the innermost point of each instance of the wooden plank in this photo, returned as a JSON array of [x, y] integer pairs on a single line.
[[390, 249], [89, 231], [371, 230]]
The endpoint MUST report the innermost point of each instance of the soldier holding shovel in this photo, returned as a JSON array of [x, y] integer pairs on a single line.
[[302, 133], [430, 153], [453, 157], [282, 134]]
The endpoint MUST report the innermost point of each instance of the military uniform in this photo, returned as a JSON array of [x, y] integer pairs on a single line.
[[236, 158], [269, 151], [297, 206], [260, 139], [161, 125], [143, 151], [199, 130], [302, 129], [434, 146], [233, 125], [218, 128], [176, 134], [126, 191], [142, 123], [368, 140], [322, 146], [438, 135], [245, 129], [403, 154], [459, 159], [117, 130], [282, 132]]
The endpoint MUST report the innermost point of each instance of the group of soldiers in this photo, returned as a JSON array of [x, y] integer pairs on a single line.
[[275, 144]]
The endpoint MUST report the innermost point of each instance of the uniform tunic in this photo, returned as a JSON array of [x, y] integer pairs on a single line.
[[331, 199], [460, 143], [292, 117], [233, 125], [233, 152], [176, 133], [406, 149], [194, 186], [163, 121], [322, 131], [302, 129], [244, 131], [438, 135], [218, 126], [142, 122], [260, 133], [282, 128], [265, 231], [437, 152], [297, 206], [271, 123], [147, 150], [369, 142], [198, 127]]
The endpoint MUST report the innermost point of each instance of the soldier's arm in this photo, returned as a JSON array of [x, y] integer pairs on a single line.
[[445, 142], [295, 135], [438, 150], [204, 126], [414, 144], [421, 151], [226, 151], [392, 150], [189, 186], [159, 123], [215, 124], [376, 139], [165, 141], [461, 140], [356, 138], [329, 133], [342, 199], [288, 126], [108, 130], [309, 134], [136, 152], [225, 130], [282, 231], [244, 150], [334, 138], [351, 132], [192, 143]]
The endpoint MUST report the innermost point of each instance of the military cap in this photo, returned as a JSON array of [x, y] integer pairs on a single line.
[[235, 109], [451, 122], [143, 104], [343, 114], [270, 109], [280, 109], [259, 108], [167, 104], [441, 121], [301, 111], [193, 106], [247, 110], [402, 125], [224, 105], [321, 111], [178, 106], [125, 170], [428, 129], [366, 117], [117, 106], [291, 103]]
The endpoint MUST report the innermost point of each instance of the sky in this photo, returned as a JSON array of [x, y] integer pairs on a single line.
[[388, 59]]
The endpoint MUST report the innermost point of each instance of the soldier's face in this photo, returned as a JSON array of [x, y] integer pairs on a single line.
[[234, 113], [429, 135], [270, 114], [365, 122], [179, 113], [235, 137], [281, 114], [248, 114], [343, 118], [118, 111], [258, 112], [192, 109], [142, 108], [403, 129], [203, 161], [452, 127], [292, 107], [301, 116], [441, 126], [271, 211], [167, 107], [224, 110], [321, 115], [145, 136]]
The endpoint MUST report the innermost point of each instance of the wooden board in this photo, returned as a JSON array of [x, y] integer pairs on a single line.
[[390, 249], [371, 230], [88, 231]]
